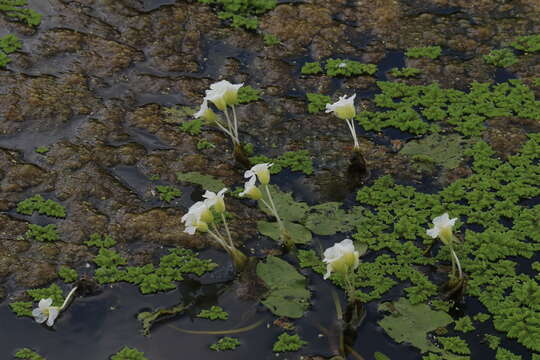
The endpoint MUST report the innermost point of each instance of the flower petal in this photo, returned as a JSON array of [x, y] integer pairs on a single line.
[[53, 314]]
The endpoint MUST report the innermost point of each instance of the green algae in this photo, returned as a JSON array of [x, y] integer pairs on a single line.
[[67, 274], [247, 94], [207, 182], [344, 67], [225, 343], [127, 353], [8, 45], [311, 68], [168, 193], [422, 109], [47, 233], [501, 58], [299, 160], [286, 342], [528, 43], [405, 72], [149, 278], [431, 52], [445, 151], [17, 10], [214, 313], [287, 294], [411, 323], [38, 204], [100, 241], [28, 354], [317, 102]]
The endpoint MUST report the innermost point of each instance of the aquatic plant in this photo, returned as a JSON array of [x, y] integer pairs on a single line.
[[8, 45], [128, 353], [192, 127], [344, 109], [299, 160], [200, 218], [207, 182], [492, 341], [311, 68], [442, 228], [42, 150], [317, 102], [225, 343], [168, 193], [342, 258], [270, 39], [455, 345], [39, 204], [431, 52], [464, 324], [28, 354], [17, 10], [97, 240], [286, 342], [214, 313], [344, 67], [47, 233], [242, 13], [247, 94], [405, 72], [528, 43], [204, 144], [46, 312], [67, 274], [501, 58]]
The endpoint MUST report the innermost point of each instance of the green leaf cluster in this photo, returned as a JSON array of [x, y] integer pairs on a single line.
[[454, 344], [214, 313], [97, 240], [67, 274], [405, 72], [528, 43], [287, 294], [243, 13], [492, 341], [207, 182], [225, 343], [192, 127], [504, 354], [17, 10], [42, 150], [127, 353], [501, 58], [8, 44], [43, 207], [317, 102], [168, 193], [24, 308], [464, 324], [47, 233], [431, 52], [150, 278], [270, 39], [344, 67], [286, 342], [311, 68], [28, 354], [299, 160], [418, 108], [247, 94], [204, 144]]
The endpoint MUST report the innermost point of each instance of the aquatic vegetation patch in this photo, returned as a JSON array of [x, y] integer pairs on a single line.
[[528, 43], [214, 313], [493, 341], [42, 150], [150, 278], [24, 308], [17, 10], [317, 102], [418, 108], [504, 354], [431, 52], [286, 342], [168, 193], [329, 218], [38, 204], [311, 68], [299, 160], [464, 324], [405, 72], [204, 144], [455, 345], [148, 318], [287, 294], [8, 45], [242, 13], [100, 241], [225, 343], [270, 39], [67, 274], [380, 356], [47, 233], [191, 127], [247, 94], [207, 182], [127, 353], [299, 234], [344, 67], [28, 354], [501, 58]]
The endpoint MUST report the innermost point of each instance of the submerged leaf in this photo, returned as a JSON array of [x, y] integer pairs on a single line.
[[298, 233]]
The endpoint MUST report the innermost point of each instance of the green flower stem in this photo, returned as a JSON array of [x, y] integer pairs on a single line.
[[456, 260], [219, 239], [231, 127], [238, 257], [350, 123], [227, 230], [68, 298], [285, 236], [225, 130], [235, 122]]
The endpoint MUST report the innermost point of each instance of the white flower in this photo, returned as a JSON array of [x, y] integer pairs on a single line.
[[341, 258], [205, 112], [46, 312], [250, 190], [342, 65], [442, 227], [215, 200], [223, 93], [343, 108], [197, 217], [261, 171]]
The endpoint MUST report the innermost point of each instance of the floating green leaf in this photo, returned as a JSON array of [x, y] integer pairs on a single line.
[[206, 181], [298, 233]]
